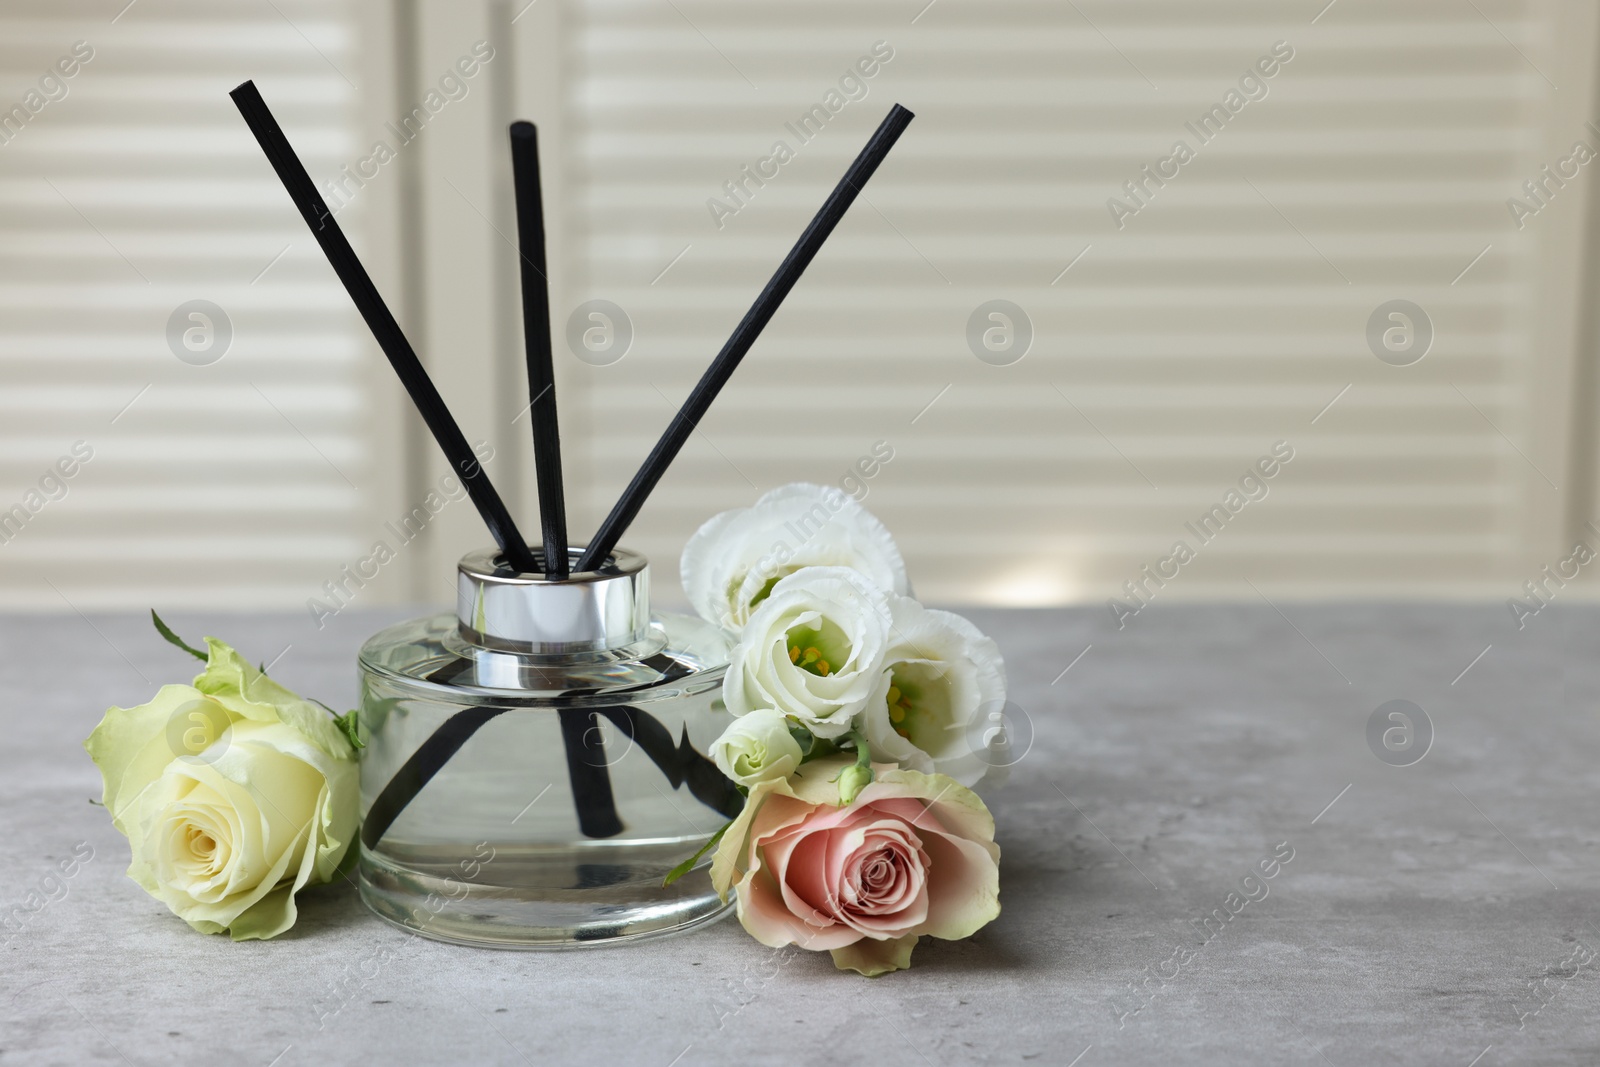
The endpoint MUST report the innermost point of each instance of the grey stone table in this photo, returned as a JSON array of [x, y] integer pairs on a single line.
[[1442, 912]]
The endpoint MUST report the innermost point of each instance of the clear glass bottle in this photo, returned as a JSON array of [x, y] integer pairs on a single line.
[[534, 763]]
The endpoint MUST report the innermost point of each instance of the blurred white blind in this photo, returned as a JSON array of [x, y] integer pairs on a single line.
[[1230, 312], [1172, 346], [133, 189]]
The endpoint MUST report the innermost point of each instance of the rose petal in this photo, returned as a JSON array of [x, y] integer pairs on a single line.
[[872, 957], [964, 888], [737, 853], [248, 693], [800, 866], [763, 915], [903, 866], [864, 834], [277, 911], [131, 746], [909, 810]]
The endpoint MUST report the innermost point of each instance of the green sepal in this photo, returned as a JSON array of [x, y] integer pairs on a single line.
[[173, 639], [349, 724]]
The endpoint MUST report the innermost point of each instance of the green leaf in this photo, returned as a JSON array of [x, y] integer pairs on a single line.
[[173, 639], [688, 865], [349, 725]]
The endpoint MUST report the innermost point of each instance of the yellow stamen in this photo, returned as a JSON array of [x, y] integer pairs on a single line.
[[823, 668], [794, 653], [811, 656]]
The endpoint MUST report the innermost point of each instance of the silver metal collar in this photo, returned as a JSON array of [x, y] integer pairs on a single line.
[[519, 611]]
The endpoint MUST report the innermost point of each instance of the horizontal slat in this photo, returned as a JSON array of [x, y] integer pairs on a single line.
[[136, 192], [1228, 313]]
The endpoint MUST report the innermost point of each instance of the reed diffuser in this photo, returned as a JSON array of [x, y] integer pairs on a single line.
[[534, 765]]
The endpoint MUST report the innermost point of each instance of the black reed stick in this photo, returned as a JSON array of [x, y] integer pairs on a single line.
[[755, 320], [383, 325], [588, 774], [536, 336], [587, 769]]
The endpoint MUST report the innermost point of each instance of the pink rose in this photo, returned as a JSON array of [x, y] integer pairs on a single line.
[[913, 856]]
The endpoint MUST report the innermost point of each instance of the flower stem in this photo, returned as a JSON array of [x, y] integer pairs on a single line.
[[863, 750], [856, 777]]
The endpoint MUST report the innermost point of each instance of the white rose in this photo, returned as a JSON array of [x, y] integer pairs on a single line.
[[941, 673], [234, 794], [732, 562], [813, 650], [757, 747]]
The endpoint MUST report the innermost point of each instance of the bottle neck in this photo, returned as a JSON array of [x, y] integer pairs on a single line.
[[525, 611]]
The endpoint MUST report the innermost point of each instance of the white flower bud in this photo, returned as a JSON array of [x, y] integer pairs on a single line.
[[756, 747]]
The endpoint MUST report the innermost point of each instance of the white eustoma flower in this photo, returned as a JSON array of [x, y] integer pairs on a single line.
[[757, 747], [942, 678], [813, 650], [732, 562]]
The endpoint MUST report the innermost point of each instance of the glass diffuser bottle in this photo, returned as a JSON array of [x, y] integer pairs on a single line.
[[534, 762]]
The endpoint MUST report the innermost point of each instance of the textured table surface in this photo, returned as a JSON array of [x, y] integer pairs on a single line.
[[1443, 912]]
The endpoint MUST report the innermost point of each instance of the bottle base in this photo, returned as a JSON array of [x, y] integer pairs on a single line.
[[538, 897]]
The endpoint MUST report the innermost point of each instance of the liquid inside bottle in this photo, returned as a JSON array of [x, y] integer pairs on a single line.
[[534, 766]]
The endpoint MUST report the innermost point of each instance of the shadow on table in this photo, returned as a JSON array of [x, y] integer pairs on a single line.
[[992, 950], [327, 909], [1004, 945]]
